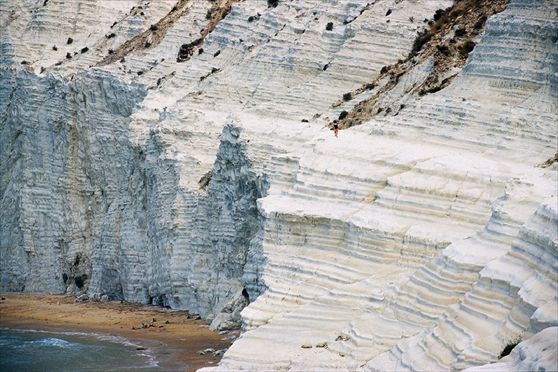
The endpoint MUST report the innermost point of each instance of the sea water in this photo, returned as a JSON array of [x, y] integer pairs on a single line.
[[34, 350]]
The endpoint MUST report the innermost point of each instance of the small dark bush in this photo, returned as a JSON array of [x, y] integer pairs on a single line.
[[439, 13], [84, 50], [388, 110], [251, 19], [480, 23], [200, 51], [140, 73], [24, 62], [209, 14], [508, 348], [68, 55], [304, 120], [460, 32], [388, 12], [431, 90], [329, 26], [384, 70], [325, 67], [65, 277], [153, 27], [467, 47], [110, 51], [114, 24], [272, 3], [347, 96], [54, 47], [379, 110], [69, 41], [216, 53], [443, 49], [420, 41], [343, 115], [111, 35], [370, 86]]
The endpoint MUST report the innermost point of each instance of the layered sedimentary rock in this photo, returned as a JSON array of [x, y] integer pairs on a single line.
[[178, 153]]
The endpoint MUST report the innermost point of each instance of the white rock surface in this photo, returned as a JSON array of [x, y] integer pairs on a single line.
[[536, 354], [424, 240]]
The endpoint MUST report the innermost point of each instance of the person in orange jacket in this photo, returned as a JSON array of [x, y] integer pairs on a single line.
[[335, 129]]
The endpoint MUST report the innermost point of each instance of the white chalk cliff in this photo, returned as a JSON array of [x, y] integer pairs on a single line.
[[178, 153]]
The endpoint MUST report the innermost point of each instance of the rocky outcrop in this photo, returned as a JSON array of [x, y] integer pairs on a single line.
[[213, 183]]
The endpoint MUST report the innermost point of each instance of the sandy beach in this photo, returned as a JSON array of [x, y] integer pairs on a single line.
[[174, 336]]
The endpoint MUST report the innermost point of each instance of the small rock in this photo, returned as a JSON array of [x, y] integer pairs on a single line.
[[219, 353], [167, 322], [140, 348], [82, 298], [306, 346], [322, 344]]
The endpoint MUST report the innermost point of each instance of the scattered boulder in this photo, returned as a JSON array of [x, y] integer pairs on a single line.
[[82, 298], [229, 317], [69, 41]]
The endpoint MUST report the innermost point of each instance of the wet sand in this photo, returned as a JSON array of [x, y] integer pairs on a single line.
[[174, 338]]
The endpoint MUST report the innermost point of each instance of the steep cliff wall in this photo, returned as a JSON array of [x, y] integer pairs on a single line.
[[391, 246]]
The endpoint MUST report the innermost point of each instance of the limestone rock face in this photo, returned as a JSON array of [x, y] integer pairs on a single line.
[[177, 153]]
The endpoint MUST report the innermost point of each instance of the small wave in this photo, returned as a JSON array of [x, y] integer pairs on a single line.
[[147, 353], [53, 342]]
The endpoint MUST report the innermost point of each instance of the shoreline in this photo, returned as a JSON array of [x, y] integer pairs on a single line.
[[174, 336]]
